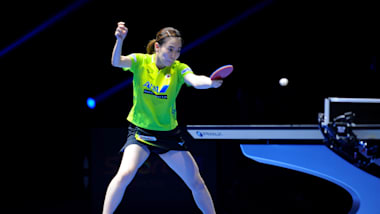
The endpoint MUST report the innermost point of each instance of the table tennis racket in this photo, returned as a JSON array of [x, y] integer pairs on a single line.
[[222, 72]]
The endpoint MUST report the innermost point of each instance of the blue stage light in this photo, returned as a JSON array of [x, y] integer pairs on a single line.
[[225, 26], [91, 103], [43, 26]]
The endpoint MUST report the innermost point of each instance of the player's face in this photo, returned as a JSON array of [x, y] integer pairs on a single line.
[[169, 51]]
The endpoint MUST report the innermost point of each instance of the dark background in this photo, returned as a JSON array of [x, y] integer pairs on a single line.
[[325, 49]]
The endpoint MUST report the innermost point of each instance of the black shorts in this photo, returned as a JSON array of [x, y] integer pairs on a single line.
[[158, 142]]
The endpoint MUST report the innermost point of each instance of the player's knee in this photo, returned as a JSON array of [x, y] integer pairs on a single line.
[[125, 175]]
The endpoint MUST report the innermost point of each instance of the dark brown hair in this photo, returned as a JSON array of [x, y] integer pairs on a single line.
[[161, 37]]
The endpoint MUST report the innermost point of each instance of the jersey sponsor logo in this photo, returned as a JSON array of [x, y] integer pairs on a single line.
[[155, 90], [164, 88], [165, 97]]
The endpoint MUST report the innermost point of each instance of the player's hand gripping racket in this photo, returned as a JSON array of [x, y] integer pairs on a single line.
[[222, 72]]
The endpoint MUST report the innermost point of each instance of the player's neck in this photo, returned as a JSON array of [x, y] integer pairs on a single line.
[[158, 63]]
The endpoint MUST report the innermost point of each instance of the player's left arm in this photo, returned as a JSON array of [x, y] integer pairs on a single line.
[[201, 81]]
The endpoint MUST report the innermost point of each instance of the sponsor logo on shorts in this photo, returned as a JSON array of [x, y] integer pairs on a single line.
[[145, 137]]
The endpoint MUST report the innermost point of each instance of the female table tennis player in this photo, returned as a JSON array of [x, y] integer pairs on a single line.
[[157, 80]]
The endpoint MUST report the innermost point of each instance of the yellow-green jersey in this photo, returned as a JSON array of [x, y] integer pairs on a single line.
[[155, 92]]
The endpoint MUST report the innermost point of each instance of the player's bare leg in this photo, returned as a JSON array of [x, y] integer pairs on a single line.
[[183, 163], [134, 156]]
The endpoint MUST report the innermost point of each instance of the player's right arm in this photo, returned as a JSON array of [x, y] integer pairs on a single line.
[[117, 59], [201, 81]]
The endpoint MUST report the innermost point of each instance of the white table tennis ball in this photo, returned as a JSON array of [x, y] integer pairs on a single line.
[[283, 81]]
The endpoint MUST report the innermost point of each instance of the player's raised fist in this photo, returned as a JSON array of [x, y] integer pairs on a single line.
[[121, 31]]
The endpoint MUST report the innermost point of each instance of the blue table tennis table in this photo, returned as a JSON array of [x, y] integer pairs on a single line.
[[301, 148]]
